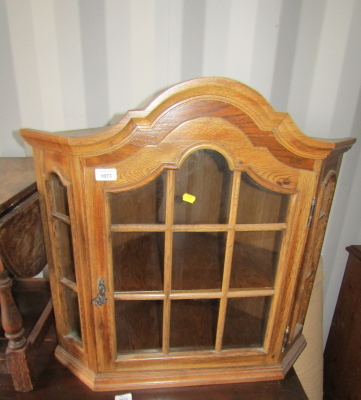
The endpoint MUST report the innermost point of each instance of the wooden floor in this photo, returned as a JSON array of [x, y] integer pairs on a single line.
[[57, 383]]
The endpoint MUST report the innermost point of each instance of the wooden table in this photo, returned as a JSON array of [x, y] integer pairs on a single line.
[[25, 302]]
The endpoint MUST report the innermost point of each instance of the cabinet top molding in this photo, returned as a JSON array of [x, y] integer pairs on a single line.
[[206, 100]]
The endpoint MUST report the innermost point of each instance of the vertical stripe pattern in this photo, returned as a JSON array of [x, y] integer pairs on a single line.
[[69, 64]]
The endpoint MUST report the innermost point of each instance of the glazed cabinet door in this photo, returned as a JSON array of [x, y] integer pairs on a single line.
[[199, 263]]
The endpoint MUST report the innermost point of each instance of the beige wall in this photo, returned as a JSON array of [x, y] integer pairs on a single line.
[[67, 64]]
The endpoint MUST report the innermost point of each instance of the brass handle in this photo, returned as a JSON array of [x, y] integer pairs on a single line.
[[100, 299]]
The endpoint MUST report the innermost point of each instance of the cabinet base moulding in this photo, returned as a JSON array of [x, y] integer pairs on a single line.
[[133, 380]]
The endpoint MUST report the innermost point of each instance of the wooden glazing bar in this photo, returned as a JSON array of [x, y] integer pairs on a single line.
[[139, 296], [221, 322], [250, 293], [201, 228], [168, 258], [138, 228], [61, 217], [166, 325], [192, 294], [174, 228], [260, 227], [68, 283], [195, 294], [228, 259], [192, 227]]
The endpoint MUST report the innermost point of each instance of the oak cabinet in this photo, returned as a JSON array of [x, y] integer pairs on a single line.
[[183, 240]]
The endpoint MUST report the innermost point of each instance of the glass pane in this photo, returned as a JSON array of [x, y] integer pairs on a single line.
[[259, 205], [138, 325], [198, 259], [193, 324], [255, 259], [72, 305], [144, 205], [66, 250], [60, 196], [205, 179], [138, 259], [246, 321]]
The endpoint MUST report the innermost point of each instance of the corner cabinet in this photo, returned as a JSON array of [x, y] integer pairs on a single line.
[[183, 240]]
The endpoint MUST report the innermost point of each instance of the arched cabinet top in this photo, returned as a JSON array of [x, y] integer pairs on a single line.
[[202, 216], [213, 105]]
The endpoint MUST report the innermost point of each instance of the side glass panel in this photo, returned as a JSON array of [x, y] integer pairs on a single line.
[[66, 250], [255, 259], [60, 196], [246, 320], [139, 325], [145, 205], [198, 259], [65, 254], [203, 189], [138, 259], [72, 306], [259, 205], [193, 324]]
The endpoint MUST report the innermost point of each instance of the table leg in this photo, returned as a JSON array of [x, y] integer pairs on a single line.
[[17, 352]]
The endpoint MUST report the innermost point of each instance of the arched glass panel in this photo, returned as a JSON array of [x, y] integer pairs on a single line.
[[258, 205], [59, 195], [203, 189]]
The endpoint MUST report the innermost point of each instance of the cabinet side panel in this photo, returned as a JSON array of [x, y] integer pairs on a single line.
[[325, 191]]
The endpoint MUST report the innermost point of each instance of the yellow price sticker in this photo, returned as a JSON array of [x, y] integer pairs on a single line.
[[189, 198]]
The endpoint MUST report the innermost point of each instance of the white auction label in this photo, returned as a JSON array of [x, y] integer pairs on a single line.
[[105, 174], [126, 396]]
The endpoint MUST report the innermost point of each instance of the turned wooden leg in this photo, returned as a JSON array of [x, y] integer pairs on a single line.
[[12, 323]]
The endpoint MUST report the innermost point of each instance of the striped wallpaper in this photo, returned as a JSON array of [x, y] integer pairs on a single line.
[[68, 64]]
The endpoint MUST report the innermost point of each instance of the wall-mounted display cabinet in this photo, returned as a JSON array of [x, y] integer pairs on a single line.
[[183, 240]]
